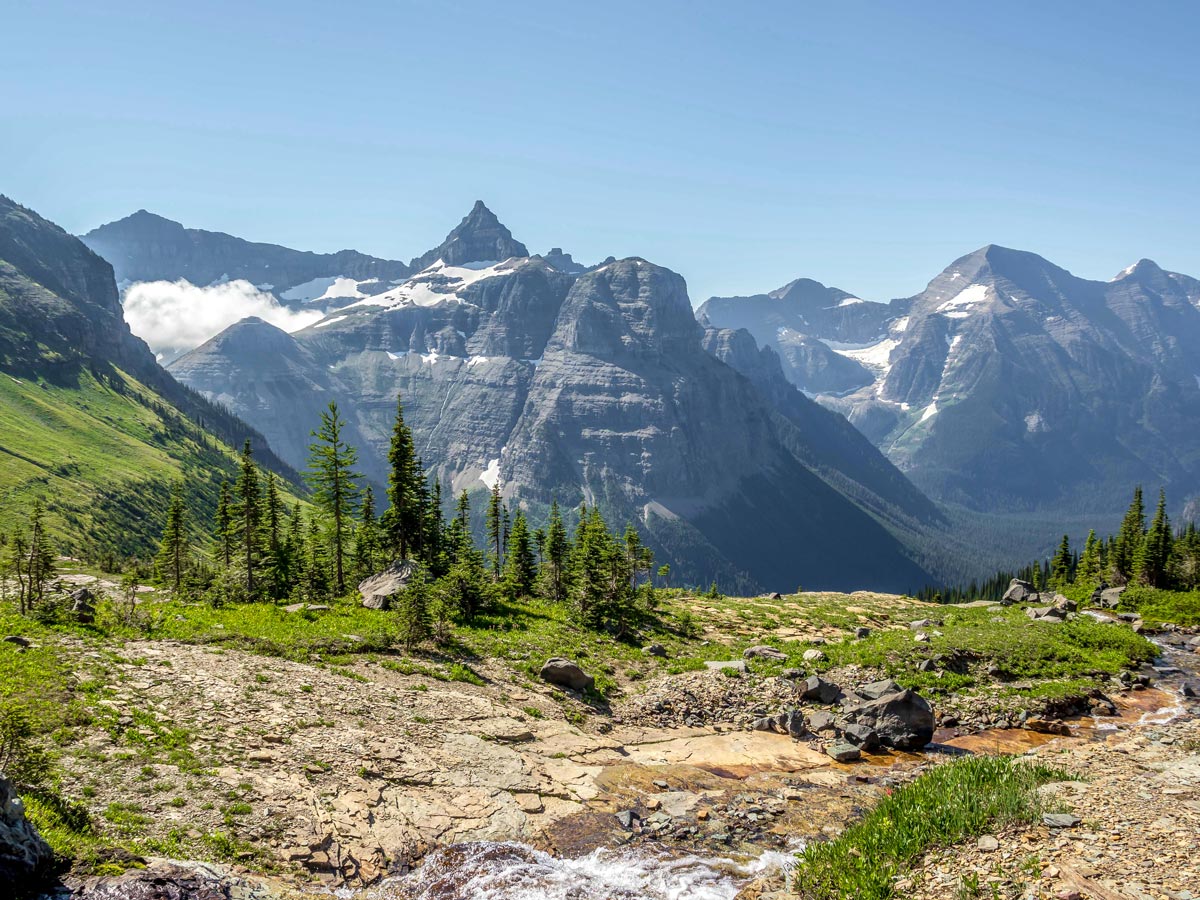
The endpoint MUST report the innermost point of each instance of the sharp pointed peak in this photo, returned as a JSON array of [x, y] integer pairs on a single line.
[[1143, 266], [479, 236]]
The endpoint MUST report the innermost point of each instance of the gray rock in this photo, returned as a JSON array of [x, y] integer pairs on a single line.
[[24, 857], [860, 736], [16, 639], [877, 689], [792, 722], [842, 751], [818, 689], [655, 650], [903, 720], [1018, 592], [820, 721], [379, 590], [1110, 598], [1061, 820], [737, 665], [861, 632], [83, 606], [1190, 689], [813, 655], [988, 844], [763, 652], [921, 624], [565, 673], [926, 665], [626, 817]]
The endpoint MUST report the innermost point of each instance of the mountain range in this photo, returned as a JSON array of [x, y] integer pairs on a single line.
[[1008, 385], [89, 421], [593, 385]]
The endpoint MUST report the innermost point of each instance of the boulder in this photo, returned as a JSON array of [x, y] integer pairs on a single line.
[[717, 665], [763, 652], [792, 722], [24, 856], [861, 632], [775, 595], [565, 673], [821, 721], [83, 606], [818, 689], [379, 590], [655, 650], [843, 751], [16, 639], [1018, 592], [861, 736], [877, 689], [1110, 598], [921, 624], [1066, 604], [811, 656], [903, 720]]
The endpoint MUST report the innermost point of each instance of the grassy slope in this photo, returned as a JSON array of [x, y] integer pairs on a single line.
[[103, 457]]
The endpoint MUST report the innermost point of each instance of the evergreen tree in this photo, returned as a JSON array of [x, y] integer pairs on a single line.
[[1088, 572], [1060, 565], [412, 611], [495, 530], [335, 486], [174, 549], [554, 564], [224, 528], [520, 569], [367, 538], [247, 517], [1129, 538], [314, 583], [402, 519], [1155, 551], [276, 562]]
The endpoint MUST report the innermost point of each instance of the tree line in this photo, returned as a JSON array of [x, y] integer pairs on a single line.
[[1151, 554], [261, 550]]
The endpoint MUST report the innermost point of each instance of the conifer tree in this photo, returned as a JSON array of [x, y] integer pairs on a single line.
[[39, 557], [224, 527], [402, 519], [1154, 554], [1060, 565], [1087, 573], [1129, 538], [247, 517], [495, 530], [412, 611], [174, 550], [366, 538], [275, 562], [520, 568], [335, 486]]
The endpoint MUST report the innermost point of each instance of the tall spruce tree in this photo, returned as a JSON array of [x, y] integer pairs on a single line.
[[495, 531], [1129, 538], [247, 518], [174, 548], [334, 484], [1088, 572], [275, 559], [1154, 555], [1060, 565], [520, 569], [224, 528], [367, 538], [402, 521]]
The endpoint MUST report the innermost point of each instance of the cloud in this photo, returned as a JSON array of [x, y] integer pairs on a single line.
[[176, 316]]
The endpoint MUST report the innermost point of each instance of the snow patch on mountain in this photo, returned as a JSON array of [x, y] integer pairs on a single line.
[[330, 288], [961, 304], [875, 356], [439, 283]]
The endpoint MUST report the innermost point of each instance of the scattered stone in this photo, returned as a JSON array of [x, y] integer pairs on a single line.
[[294, 607], [83, 606], [821, 721], [16, 639], [1047, 726], [1061, 820], [736, 664], [379, 590], [862, 632], [814, 655], [843, 751], [565, 673], [926, 665], [877, 689], [988, 844], [861, 736], [775, 595], [921, 624], [763, 652], [655, 650], [1018, 592], [626, 817], [903, 719], [818, 689]]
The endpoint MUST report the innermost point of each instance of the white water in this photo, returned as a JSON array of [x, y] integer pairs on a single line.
[[512, 871]]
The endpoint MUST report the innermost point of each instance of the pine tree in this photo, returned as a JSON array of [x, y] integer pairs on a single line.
[[1155, 552], [1060, 565], [1088, 572], [1129, 539], [335, 487], [520, 568], [402, 520], [558, 547], [174, 550], [412, 611], [39, 556], [224, 527], [366, 538], [247, 517], [276, 561], [495, 530]]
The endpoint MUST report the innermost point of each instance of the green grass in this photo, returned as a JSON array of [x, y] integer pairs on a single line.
[[1157, 607], [953, 802]]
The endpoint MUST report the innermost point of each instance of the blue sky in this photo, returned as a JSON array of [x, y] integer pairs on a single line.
[[863, 144]]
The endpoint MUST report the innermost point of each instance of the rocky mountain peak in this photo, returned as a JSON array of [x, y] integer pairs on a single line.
[[479, 237], [1142, 270]]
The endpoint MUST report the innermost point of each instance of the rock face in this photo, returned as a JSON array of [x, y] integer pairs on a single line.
[[1009, 383], [903, 719], [567, 674], [24, 856], [147, 247], [580, 387], [379, 590]]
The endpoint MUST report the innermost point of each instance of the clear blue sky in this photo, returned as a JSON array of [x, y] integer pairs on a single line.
[[741, 144]]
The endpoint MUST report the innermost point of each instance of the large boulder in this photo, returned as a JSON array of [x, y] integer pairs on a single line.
[[763, 652], [1018, 592], [1110, 598], [903, 720], [379, 590], [24, 857], [565, 673], [819, 690], [83, 606]]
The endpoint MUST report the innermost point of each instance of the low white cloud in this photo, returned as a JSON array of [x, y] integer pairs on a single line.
[[176, 316]]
